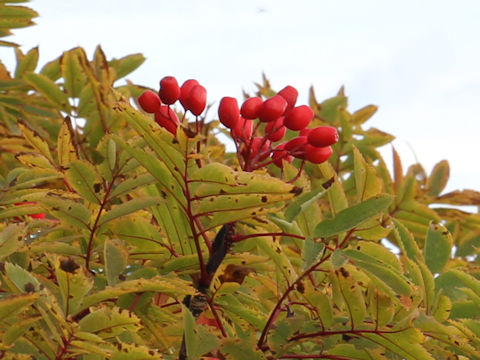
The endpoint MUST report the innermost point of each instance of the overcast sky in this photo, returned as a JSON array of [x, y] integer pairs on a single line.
[[419, 61]]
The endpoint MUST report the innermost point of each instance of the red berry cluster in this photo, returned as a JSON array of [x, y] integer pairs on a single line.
[[191, 95], [278, 113]]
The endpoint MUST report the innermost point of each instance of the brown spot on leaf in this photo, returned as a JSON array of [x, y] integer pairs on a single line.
[[296, 190], [264, 198], [69, 265], [344, 272], [29, 287], [97, 187], [328, 183], [300, 287]]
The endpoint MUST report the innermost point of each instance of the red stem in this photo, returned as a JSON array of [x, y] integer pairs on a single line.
[[276, 309]]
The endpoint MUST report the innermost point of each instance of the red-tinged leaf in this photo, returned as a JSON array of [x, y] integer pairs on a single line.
[[460, 197], [397, 171]]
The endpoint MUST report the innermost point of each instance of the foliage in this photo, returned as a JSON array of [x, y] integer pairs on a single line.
[[359, 264]]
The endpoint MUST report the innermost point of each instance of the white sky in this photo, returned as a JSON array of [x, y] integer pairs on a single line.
[[419, 61]]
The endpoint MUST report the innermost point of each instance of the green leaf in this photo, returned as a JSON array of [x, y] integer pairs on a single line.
[[380, 262], [363, 114], [12, 17], [438, 247], [406, 242], [159, 170], [12, 304], [312, 252], [438, 179], [160, 140], [302, 203], [126, 64], [34, 160], [49, 90], [74, 284], [367, 184], [132, 183], [19, 328], [21, 278], [116, 260], [72, 71], [71, 212], [11, 239], [108, 322], [128, 208], [353, 216], [162, 284], [353, 297], [189, 334], [468, 280], [240, 349], [274, 250], [27, 62], [404, 343], [380, 306], [82, 176]]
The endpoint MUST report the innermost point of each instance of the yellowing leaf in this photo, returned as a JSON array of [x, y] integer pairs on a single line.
[[363, 114], [438, 179], [49, 90], [14, 303], [367, 183], [65, 149], [11, 239], [27, 62], [36, 141]]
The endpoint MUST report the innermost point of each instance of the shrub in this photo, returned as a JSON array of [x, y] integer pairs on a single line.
[[125, 240]]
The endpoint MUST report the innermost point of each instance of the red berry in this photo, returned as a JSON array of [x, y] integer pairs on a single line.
[[273, 108], [251, 108], [275, 130], [33, 216], [196, 100], [317, 155], [149, 101], [296, 145], [167, 118], [228, 112], [323, 136], [290, 94], [169, 90], [185, 89], [299, 117], [38, 216], [243, 129], [279, 154], [305, 132]]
